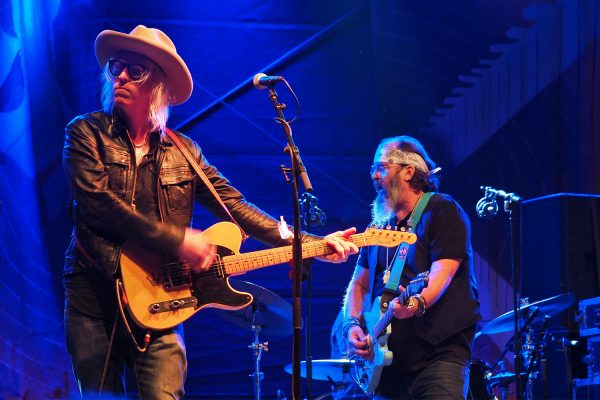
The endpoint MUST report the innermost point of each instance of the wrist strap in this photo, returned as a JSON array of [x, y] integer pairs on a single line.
[[352, 321], [186, 153]]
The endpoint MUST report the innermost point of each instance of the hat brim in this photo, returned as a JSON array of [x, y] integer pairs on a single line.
[[178, 77]]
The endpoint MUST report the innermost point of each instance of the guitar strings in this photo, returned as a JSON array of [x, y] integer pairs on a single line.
[[226, 265]]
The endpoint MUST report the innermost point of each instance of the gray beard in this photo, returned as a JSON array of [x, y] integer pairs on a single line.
[[385, 205]]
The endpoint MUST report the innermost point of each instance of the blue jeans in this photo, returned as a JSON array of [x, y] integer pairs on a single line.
[[440, 380], [160, 371]]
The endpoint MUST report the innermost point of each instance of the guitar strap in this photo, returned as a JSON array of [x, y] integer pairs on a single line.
[[391, 288], [202, 175]]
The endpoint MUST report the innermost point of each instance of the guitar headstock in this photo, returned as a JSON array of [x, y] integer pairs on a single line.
[[388, 237]]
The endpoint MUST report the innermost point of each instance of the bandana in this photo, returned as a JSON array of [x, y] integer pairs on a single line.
[[398, 156]]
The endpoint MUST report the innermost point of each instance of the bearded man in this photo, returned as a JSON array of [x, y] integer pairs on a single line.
[[432, 334]]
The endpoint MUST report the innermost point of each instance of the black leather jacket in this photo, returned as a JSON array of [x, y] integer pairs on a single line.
[[99, 162]]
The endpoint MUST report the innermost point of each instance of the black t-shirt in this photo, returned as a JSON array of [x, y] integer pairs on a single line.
[[443, 232]]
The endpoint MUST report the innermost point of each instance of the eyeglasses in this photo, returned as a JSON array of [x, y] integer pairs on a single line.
[[135, 71], [379, 167]]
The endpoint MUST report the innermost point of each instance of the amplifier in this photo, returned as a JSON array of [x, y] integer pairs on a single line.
[[586, 389], [589, 317], [592, 359]]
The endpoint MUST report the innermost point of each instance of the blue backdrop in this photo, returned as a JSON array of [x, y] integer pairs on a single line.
[[503, 94]]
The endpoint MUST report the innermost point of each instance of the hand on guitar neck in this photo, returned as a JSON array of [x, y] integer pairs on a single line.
[[406, 309], [343, 248]]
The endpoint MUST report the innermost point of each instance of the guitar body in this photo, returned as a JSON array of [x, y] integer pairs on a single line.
[[380, 355], [145, 291], [379, 328]]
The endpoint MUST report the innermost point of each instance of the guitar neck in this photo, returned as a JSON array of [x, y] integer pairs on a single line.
[[386, 318], [240, 263]]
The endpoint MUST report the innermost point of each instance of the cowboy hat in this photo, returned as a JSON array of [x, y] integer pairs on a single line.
[[154, 44]]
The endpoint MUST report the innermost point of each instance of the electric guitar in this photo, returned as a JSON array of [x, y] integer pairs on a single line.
[[160, 296], [378, 326]]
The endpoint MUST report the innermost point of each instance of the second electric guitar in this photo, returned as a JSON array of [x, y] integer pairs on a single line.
[[369, 371]]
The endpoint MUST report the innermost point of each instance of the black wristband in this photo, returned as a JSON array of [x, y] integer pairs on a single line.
[[352, 321], [421, 305]]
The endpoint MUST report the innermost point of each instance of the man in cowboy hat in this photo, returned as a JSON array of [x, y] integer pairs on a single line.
[[132, 184]]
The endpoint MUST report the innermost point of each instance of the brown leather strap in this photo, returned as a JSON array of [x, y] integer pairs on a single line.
[[202, 175]]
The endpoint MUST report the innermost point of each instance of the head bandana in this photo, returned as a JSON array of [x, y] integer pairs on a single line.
[[398, 156]]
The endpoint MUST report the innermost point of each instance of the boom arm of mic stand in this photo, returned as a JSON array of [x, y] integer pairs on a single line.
[[295, 154]]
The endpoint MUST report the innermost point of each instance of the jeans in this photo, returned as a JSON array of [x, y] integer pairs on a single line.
[[160, 371], [441, 380]]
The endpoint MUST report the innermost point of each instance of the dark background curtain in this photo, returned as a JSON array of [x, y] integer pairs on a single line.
[[501, 93]]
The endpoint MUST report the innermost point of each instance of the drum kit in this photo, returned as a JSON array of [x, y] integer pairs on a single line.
[[270, 314], [533, 322]]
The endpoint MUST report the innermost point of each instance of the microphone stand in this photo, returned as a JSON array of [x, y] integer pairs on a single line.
[[516, 303], [298, 173], [487, 208], [311, 216]]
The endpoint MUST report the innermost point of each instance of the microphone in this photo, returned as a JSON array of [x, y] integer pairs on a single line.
[[262, 81], [487, 206]]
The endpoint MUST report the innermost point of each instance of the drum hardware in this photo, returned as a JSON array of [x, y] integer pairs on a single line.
[[337, 372], [267, 313], [327, 370], [479, 376], [502, 379], [533, 342], [550, 306], [257, 349]]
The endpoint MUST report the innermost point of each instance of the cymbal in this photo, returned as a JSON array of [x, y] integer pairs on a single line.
[[269, 311], [337, 370], [550, 306], [501, 378]]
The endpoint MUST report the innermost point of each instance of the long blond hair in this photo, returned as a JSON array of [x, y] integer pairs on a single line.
[[160, 97]]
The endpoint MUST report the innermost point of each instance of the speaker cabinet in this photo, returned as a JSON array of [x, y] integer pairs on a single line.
[[560, 247], [561, 253]]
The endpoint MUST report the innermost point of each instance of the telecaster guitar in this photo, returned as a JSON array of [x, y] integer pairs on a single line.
[[160, 296], [378, 326]]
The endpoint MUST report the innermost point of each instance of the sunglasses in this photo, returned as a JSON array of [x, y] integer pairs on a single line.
[[379, 167], [135, 71]]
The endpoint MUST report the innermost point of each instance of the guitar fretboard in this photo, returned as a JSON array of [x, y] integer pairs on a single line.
[[386, 318], [240, 263]]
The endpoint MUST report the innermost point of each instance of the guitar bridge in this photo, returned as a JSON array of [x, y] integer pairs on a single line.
[[172, 305]]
